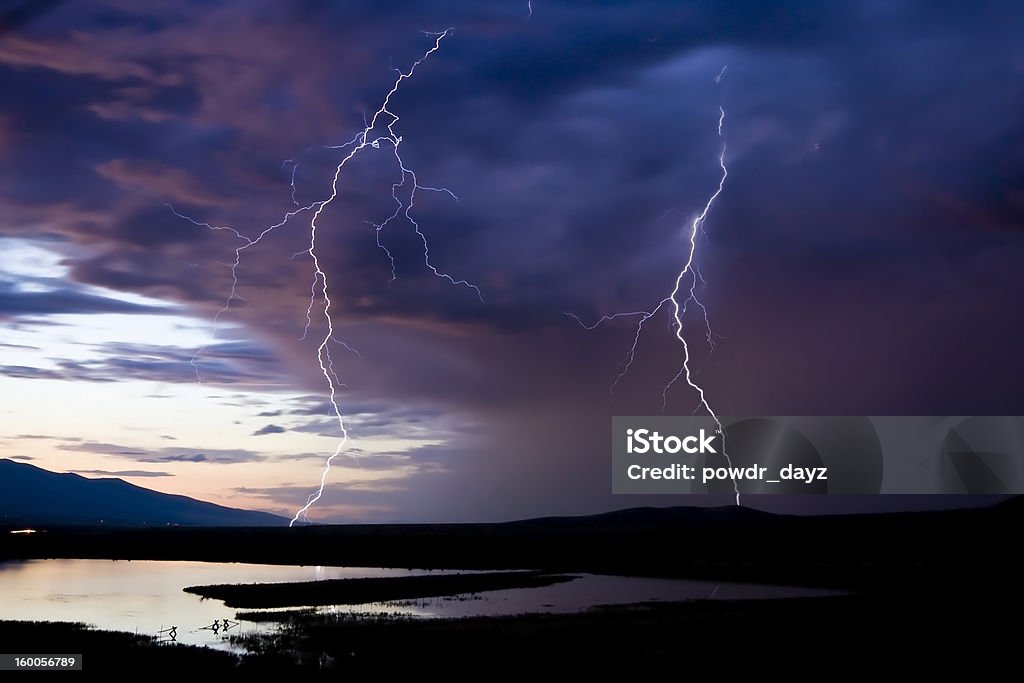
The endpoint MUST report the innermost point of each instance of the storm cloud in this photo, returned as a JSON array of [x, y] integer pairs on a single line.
[[863, 257]]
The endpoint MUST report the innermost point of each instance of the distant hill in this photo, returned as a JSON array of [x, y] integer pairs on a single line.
[[652, 516], [33, 496]]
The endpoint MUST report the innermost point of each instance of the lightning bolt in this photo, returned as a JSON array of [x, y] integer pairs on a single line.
[[378, 131], [247, 243], [357, 144], [686, 281]]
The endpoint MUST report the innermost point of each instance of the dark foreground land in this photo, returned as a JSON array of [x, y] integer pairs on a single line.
[[822, 635], [927, 592], [810, 637], [107, 651]]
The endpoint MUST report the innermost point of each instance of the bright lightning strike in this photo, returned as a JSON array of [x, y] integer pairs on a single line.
[[378, 131], [363, 140], [686, 280]]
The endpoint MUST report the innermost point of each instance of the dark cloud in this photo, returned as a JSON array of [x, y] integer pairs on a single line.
[[269, 429], [317, 457], [19, 13], [324, 427], [60, 299], [221, 363], [27, 372], [862, 259], [238, 362], [158, 181], [152, 227], [24, 347], [164, 455], [197, 457], [125, 473]]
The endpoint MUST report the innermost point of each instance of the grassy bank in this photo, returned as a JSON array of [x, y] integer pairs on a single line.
[[818, 636], [813, 637], [110, 651]]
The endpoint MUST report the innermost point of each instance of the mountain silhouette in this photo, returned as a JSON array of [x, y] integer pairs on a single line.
[[33, 496]]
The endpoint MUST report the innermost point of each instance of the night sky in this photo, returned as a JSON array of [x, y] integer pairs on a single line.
[[863, 258]]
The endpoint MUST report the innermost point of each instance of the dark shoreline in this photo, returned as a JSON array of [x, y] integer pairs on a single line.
[[873, 553], [113, 652], [816, 636]]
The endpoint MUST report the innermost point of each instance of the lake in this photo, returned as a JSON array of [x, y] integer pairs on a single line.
[[146, 597]]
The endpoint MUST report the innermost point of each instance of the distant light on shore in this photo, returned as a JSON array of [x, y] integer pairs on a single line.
[[23, 531]]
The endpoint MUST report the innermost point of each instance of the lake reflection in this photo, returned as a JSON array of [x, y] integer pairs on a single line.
[[146, 597]]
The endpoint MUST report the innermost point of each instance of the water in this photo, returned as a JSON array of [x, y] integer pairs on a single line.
[[146, 597]]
